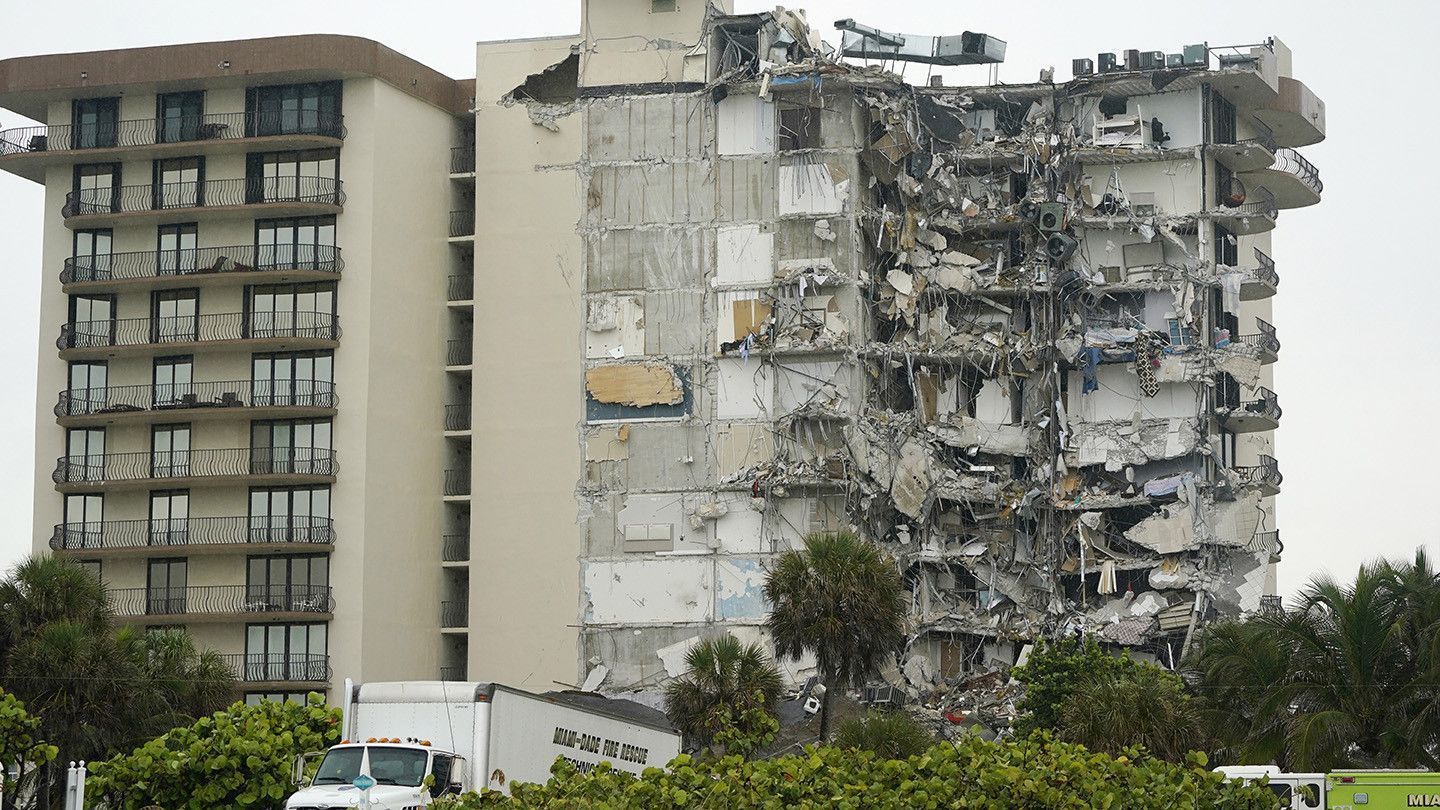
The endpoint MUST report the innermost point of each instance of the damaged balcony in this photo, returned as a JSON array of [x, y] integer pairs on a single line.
[[1264, 476], [174, 469], [195, 535], [1246, 154], [1260, 281], [1265, 342], [177, 202], [28, 151], [199, 266], [1249, 213], [1295, 114], [280, 330], [195, 401], [1293, 180], [278, 670], [1255, 415], [219, 603]]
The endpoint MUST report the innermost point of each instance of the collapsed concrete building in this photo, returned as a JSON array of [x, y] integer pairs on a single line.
[[1017, 335]]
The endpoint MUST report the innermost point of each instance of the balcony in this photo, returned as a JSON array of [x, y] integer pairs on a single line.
[[177, 202], [457, 483], [196, 400], [1264, 476], [460, 288], [282, 330], [1293, 180], [1256, 415], [1247, 154], [1268, 542], [457, 417], [181, 468], [1272, 606], [212, 603], [462, 224], [1261, 281], [278, 668], [462, 160], [194, 535], [29, 150], [1256, 215], [1296, 114], [248, 264], [454, 615], [458, 352], [455, 548], [1265, 341]]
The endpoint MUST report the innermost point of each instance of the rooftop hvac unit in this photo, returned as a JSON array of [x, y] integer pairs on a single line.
[[968, 48], [1174, 60], [1152, 60], [1195, 55], [1052, 217], [1082, 67], [1132, 59], [1107, 63]]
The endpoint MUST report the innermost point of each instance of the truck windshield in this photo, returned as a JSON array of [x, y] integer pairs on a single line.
[[398, 766], [340, 766]]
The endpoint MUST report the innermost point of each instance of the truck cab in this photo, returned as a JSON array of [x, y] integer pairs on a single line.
[[1296, 791], [407, 774]]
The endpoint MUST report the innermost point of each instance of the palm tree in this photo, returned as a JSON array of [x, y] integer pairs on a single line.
[[1348, 678], [841, 600], [891, 735], [725, 681], [1140, 705], [48, 588]]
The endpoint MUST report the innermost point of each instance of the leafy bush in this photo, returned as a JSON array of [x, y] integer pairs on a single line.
[[1053, 673], [240, 757], [1144, 706], [20, 744], [1036, 772], [891, 735]]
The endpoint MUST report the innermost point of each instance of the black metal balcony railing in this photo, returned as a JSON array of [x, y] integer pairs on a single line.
[[462, 159], [1264, 271], [460, 288], [1266, 541], [1259, 203], [1272, 606], [198, 261], [457, 417], [455, 548], [291, 667], [458, 352], [186, 396], [1292, 162], [199, 600], [1266, 339], [1265, 475], [1264, 137], [151, 131], [110, 467], [194, 531], [204, 194], [198, 328], [454, 614], [1266, 403], [457, 482], [462, 223]]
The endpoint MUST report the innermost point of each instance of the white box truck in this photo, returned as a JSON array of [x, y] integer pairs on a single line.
[[469, 735]]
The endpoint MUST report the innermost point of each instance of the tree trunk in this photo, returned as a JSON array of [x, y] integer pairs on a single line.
[[825, 710]]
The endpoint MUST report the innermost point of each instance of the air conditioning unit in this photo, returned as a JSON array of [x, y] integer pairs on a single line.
[[1082, 67], [1052, 217], [1107, 63], [1152, 60], [1174, 60], [1132, 59], [1112, 274], [1195, 55], [1142, 203]]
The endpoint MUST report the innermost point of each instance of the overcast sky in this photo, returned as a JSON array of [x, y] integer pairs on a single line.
[[1359, 285]]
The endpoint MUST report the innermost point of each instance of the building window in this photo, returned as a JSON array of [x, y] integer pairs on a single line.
[[662, 6], [799, 126], [292, 310], [165, 587], [290, 109], [170, 451], [1222, 119], [172, 382], [96, 188], [291, 446], [287, 515], [85, 454], [84, 520], [292, 378], [306, 243], [175, 248], [88, 390], [288, 583], [285, 652], [90, 254], [308, 176], [179, 182], [95, 568], [175, 316], [96, 122], [179, 116], [92, 320], [1227, 247], [170, 517]]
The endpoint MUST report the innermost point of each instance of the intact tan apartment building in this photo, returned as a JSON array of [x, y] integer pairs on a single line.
[[356, 370]]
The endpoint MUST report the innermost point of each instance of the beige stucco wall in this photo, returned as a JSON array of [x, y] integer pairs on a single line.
[[524, 590]]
